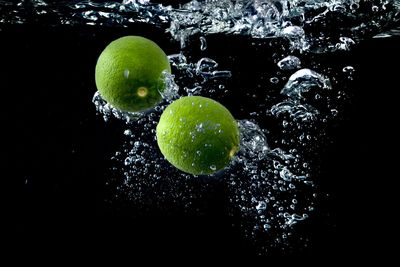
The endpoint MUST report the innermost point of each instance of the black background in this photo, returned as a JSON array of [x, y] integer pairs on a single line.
[[58, 153]]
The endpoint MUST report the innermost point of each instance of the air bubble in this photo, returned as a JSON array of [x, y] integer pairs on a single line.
[[274, 80]]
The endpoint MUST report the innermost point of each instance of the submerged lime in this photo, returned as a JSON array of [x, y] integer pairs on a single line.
[[129, 73], [198, 135]]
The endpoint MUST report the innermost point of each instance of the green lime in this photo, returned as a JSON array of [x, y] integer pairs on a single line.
[[198, 135], [129, 73]]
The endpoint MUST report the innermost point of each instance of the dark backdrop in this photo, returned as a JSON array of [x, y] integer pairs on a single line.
[[58, 154]]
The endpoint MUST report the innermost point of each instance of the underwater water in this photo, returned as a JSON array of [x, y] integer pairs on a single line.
[[297, 75]]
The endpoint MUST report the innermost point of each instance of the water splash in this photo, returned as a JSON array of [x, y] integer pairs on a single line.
[[305, 24]]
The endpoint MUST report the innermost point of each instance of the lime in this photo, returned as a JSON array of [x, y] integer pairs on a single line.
[[129, 73], [198, 135]]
